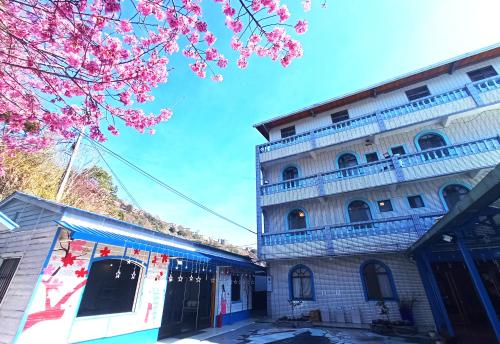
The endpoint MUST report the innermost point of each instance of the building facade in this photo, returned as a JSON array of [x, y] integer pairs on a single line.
[[346, 186], [72, 276]]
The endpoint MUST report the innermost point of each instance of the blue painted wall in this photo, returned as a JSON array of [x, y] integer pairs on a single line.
[[148, 336]]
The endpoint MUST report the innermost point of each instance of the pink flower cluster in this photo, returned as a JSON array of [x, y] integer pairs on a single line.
[[88, 63]]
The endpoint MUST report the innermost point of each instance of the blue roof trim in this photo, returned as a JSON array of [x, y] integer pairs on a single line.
[[221, 261], [104, 237], [7, 222]]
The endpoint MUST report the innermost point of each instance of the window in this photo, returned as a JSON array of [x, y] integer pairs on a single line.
[[429, 141], [347, 160], [398, 150], [301, 283], [371, 157], [417, 93], [340, 116], [482, 73], [452, 194], [287, 132], [235, 288], [106, 294], [384, 205], [8, 268], [416, 201], [290, 173], [377, 281], [297, 219], [359, 211]]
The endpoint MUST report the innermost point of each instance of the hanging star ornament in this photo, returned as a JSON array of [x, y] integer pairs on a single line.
[[133, 275], [118, 273], [170, 278], [198, 279], [180, 278], [191, 278]]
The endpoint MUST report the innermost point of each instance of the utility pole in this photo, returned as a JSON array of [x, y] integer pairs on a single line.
[[67, 171]]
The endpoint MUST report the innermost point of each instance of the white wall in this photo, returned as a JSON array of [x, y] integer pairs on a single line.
[[338, 285], [436, 86], [468, 128], [333, 210], [223, 278]]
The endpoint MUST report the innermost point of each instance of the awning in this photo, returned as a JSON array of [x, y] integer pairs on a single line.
[[155, 242]]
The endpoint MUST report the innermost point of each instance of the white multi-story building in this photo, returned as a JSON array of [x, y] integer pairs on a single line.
[[346, 186]]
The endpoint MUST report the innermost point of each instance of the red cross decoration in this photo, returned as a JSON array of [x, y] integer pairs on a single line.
[[164, 258]]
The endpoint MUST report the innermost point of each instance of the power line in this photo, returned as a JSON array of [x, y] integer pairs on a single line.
[[129, 194], [165, 185]]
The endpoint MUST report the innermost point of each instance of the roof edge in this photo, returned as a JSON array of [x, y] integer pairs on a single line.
[[261, 126]]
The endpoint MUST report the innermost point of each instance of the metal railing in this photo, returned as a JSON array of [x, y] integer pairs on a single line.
[[482, 86], [450, 152], [488, 84], [418, 225], [400, 161]]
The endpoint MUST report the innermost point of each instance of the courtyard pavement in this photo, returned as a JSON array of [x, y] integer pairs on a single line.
[[263, 333]]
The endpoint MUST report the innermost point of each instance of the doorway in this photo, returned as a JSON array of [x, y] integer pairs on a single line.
[[188, 305], [465, 310]]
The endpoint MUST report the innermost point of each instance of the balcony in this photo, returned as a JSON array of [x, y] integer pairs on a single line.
[[478, 94], [377, 236], [458, 158]]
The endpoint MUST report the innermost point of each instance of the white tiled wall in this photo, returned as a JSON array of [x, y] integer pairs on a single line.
[[338, 286]]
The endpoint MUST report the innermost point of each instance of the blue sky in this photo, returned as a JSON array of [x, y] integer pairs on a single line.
[[207, 149]]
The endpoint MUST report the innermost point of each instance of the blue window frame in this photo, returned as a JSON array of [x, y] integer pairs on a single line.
[[289, 175], [301, 283], [398, 150], [371, 157], [451, 194], [297, 219], [416, 201], [377, 280], [347, 160]]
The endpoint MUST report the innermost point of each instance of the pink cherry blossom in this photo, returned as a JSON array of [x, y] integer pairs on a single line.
[[306, 5], [283, 13], [301, 27], [211, 54], [217, 78], [210, 38], [222, 62], [91, 64]]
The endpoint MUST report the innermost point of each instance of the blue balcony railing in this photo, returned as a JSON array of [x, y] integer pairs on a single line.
[[488, 84], [481, 86], [416, 225], [425, 103], [450, 152], [390, 164]]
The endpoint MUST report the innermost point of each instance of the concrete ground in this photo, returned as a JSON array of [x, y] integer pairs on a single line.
[[266, 332]]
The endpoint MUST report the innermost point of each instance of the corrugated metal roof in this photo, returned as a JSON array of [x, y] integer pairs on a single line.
[[134, 240]]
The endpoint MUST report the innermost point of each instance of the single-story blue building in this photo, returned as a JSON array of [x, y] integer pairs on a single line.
[[72, 276]]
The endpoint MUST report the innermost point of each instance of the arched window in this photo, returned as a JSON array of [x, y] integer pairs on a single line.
[[289, 174], [452, 194], [359, 211], [431, 140], [105, 293], [297, 219], [301, 283], [377, 281], [347, 160]]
